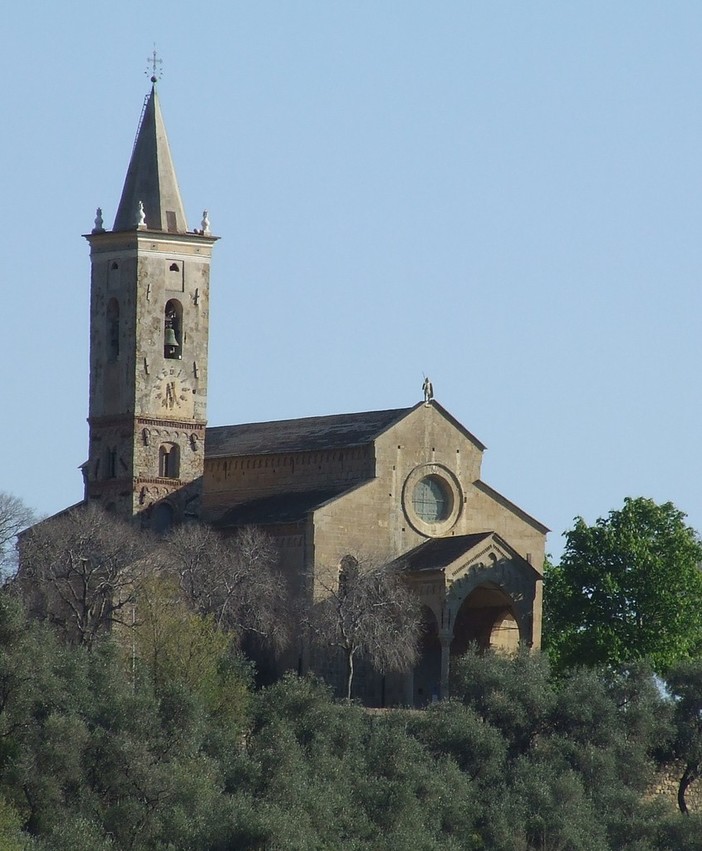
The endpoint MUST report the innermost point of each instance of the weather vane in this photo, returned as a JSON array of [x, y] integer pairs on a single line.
[[155, 64]]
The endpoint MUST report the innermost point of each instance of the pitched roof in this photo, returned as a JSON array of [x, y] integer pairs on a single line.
[[280, 508], [300, 435], [507, 503], [151, 178], [438, 553]]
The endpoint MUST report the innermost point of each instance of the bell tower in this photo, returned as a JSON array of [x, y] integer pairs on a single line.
[[149, 323]]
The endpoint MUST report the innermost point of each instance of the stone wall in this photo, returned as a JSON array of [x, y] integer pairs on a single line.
[[665, 788], [232, 481]]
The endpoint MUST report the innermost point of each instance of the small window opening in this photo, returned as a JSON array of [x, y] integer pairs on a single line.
[[172, 330], [169, 461], [113, 330], [113, 275], [174, 267]]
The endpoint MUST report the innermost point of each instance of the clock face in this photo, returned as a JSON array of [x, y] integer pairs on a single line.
[[173, 393]]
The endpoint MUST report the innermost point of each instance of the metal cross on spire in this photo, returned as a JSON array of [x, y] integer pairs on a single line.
[[155, 64]]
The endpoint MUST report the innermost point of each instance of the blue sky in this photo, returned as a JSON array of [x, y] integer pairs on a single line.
[[503, 195]]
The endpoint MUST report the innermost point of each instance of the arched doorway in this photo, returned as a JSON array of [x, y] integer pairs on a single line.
[[486, 618], [427, 673]]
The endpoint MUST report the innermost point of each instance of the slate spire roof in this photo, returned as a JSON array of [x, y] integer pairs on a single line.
[[151, 178]]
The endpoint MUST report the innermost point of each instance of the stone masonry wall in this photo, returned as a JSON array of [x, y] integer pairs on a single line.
[[232, 481]]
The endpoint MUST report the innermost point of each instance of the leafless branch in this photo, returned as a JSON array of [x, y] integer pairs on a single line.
[[368, 611], [233, 579], [82, 568], [14, 517]]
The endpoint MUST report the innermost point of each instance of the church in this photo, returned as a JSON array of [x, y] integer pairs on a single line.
[[398, 485]]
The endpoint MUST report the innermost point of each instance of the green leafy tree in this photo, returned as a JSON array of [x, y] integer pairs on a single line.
[[577, 751], [323, 775], [629, 587], [93, 758], [178, 646]]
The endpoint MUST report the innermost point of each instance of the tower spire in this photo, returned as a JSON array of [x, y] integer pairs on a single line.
[[151, 177]]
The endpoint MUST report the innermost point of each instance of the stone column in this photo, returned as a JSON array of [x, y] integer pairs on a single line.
[[409, 688], [445, 639]]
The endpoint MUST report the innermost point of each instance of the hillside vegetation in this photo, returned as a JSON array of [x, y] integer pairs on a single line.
[[164, 744]]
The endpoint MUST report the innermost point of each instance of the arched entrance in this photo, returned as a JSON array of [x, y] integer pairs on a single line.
[[486, 618], [427, 673]]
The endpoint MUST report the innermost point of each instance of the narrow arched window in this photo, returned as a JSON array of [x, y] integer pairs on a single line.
[[169, 461], [162, 517], [348, 573], [173, 330], [112, 330], [111, 463]]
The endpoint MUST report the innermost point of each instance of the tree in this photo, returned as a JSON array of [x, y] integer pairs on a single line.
[[14, 517], [370, 612], [684, 682], [232, 579], [577, 750], [629, 587], [82, 570], [315, 774], [177, 645]]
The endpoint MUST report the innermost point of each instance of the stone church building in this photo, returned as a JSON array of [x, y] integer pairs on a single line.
[[400, 484]]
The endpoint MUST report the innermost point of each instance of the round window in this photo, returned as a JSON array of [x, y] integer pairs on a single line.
[[431, 500]]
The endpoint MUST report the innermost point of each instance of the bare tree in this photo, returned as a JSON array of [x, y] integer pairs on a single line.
[[233, 579], [370, 612], [82, 570], [14, 517]]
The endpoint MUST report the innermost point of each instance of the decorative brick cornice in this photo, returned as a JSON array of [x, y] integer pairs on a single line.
[[107, 422], [192, 425], [162, 482]]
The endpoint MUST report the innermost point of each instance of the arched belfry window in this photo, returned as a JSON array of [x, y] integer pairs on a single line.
[[112, 330], [173, 330], [169, 461]]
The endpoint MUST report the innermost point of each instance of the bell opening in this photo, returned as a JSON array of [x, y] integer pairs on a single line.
[[172, 330]]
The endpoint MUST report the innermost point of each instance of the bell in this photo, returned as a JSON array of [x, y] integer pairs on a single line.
[[170, 340]]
